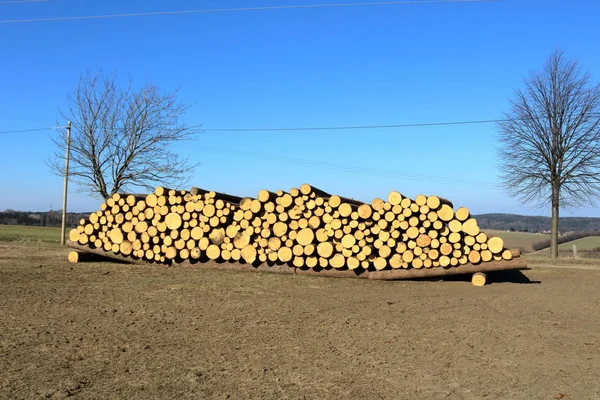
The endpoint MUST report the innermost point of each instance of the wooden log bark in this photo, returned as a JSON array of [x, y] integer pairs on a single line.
[[103, 253], [84, 256], [514, 264]]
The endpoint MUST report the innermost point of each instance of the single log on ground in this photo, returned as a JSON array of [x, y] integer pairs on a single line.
[[81, 256], [479, 279], [103, 253]]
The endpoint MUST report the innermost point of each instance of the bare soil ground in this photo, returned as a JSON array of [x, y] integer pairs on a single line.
[[108, 331]]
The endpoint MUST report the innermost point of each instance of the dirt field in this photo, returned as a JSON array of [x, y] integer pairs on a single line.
[[107, 331]]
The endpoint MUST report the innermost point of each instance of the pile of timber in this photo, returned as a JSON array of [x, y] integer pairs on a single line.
[[303, 228]]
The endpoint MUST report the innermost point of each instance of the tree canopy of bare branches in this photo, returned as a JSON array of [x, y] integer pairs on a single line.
[[549, 149], [122, 138]]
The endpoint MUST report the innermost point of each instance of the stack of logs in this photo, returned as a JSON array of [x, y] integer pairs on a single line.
[[304, 227]]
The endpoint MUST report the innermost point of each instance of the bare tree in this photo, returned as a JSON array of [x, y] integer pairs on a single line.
[[550, 140], [122, 138]]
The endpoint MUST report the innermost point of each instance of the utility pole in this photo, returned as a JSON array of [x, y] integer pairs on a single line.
[[65, 190]]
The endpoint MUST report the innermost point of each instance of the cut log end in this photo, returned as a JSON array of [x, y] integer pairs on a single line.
[[479, 279]]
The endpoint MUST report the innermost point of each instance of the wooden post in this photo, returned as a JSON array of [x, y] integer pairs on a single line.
[[66, 185]]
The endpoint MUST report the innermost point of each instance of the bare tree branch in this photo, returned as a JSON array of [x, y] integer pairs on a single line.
[[550, 140], [122, 138]]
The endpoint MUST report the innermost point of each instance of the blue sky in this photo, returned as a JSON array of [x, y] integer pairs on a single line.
[[378, 65]]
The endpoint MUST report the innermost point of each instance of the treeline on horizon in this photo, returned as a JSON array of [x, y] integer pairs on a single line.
[[46, 218]]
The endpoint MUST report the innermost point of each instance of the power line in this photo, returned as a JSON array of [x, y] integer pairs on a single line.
[[321, 128], [318, 164], [331, 128], [314, 128], [347, 168], [351, 127], [239, 9], [33, 130]]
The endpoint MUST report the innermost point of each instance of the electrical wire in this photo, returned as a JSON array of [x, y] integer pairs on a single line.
[[331, 128], [239, 9], [33, 130], [345, 168], [317, 164], [353, 127]]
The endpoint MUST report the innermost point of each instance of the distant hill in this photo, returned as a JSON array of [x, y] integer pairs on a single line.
[[526, 223], [46, 218]]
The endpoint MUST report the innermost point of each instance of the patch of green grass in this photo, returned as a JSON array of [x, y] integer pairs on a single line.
[[13, 233], [586, 248], [518, 240], [584, 244]]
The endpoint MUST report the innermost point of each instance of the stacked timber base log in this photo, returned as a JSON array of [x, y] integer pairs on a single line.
[[304, 230]]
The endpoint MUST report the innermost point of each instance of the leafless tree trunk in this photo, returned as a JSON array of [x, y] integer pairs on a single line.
[[122, 138], [550, 141]]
